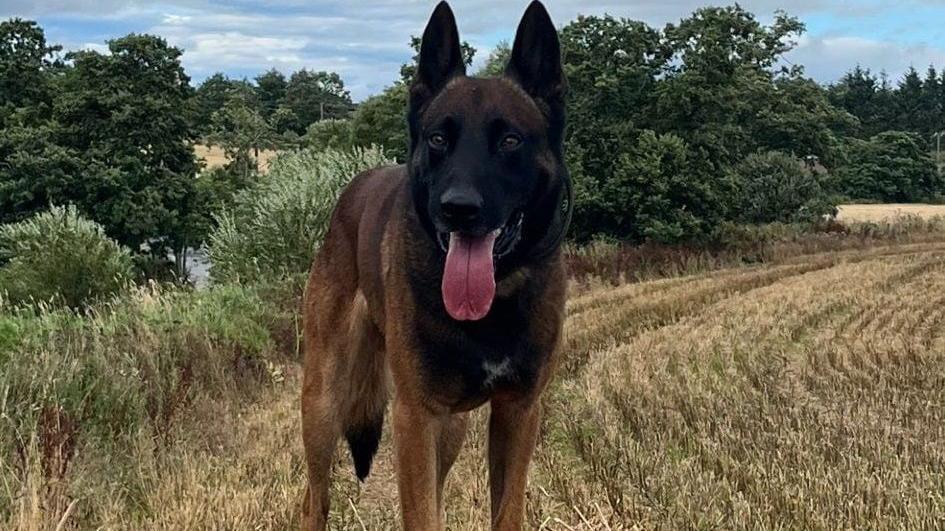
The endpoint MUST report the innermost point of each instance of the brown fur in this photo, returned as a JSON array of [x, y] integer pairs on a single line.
[[358, 316], [375, 327]]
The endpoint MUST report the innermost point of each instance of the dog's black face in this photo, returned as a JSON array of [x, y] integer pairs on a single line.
[[486, 159]]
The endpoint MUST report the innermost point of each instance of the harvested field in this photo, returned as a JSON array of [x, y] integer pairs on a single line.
[[887, 212], [805, 395], [214, 157]]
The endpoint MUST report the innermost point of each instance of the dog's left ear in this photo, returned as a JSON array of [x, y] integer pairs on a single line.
[[535, 62]]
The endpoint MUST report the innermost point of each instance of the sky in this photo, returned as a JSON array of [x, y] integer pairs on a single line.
[[366, 40]]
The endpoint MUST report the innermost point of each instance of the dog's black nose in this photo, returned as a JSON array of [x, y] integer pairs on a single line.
[[460, 208]]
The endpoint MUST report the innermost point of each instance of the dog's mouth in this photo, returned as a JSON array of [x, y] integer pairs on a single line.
[[469, 271], [508, 237]]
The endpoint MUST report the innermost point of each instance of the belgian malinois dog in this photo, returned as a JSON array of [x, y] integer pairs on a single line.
[[441, 285]]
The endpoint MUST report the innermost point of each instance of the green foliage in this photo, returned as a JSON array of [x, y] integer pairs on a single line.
[[497, 61], [774, 186], [25, 58], [132, 365], [313, 96], [60, 257], [213, 94], [381, 120], [408, 70], [660, 193], [271, 87], [894, 166], [274, 227], [328, 134], [242, 132]]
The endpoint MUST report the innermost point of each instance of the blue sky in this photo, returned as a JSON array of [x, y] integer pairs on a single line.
[[365, 40]]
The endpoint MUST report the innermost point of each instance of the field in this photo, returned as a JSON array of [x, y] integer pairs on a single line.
[[214, 157], [887, 212], [803, 394]]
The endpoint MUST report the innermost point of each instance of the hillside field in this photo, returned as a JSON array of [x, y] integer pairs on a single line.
[[853, 213], [214, 157], [800, 395]]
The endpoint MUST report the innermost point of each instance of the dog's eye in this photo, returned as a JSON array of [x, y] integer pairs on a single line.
[[510, 142], [437, 141]]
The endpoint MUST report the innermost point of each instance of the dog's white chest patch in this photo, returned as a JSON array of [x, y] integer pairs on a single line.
[[496, 371]]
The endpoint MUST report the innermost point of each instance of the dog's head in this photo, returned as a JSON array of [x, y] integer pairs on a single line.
[[486, 160]]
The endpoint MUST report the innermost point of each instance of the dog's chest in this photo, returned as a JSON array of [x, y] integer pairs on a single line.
[[470, 364]]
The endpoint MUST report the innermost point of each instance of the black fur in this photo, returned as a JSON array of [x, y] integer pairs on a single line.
[[363, 441]]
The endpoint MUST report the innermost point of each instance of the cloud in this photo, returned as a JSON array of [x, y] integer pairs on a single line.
[[828, 58], [366, 41]]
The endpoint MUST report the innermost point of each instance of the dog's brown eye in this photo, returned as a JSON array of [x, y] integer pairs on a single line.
[[511, 142], [437, 141]]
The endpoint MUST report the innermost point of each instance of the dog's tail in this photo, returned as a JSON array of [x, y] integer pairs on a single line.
[[363, 441]]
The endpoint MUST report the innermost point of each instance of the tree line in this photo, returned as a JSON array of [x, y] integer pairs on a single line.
[[673, 132]]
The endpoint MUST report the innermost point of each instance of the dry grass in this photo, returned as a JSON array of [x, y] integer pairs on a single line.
[[804, 395], [887, 212], [214, 157]]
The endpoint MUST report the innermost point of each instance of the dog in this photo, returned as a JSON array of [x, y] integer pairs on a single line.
[[441, 285]]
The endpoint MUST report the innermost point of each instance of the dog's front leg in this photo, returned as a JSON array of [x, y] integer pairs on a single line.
[[416, 432], [513, 432]]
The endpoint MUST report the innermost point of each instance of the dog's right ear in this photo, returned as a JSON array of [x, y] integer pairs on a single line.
[[441, 57]]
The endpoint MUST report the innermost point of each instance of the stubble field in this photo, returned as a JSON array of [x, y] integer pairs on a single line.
[[803, 395]]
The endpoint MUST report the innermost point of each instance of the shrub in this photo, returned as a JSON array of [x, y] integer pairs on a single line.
[[774, 186], [660, 192], [61, 257], [274, 227]]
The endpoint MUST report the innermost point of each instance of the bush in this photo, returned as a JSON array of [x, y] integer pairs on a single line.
[[274, 227], [774, 186], [60, 257], [659, 191]]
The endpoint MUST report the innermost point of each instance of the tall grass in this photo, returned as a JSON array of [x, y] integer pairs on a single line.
[[274, 228], [78, 391]]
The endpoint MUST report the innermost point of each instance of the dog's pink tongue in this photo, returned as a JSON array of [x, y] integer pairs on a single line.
[[469, 276]]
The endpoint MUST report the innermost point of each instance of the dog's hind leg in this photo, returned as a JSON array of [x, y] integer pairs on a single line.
[[320, 433]]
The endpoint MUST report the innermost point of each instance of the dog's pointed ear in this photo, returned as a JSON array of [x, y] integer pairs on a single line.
[[535, 62], [441, 57]]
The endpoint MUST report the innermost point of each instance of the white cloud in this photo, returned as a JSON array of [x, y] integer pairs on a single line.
[[366, 41], [828, 58]]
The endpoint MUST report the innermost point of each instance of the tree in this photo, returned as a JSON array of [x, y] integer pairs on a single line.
[[25, 61], [612, 66], [242, 132], [122, 113], [497, 61], [270, 90], [868, 98], [313, 96], [660, 192], [213, 94], [407, 70], [721, 78], [380, 120], [328, 134], [890, 167]]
